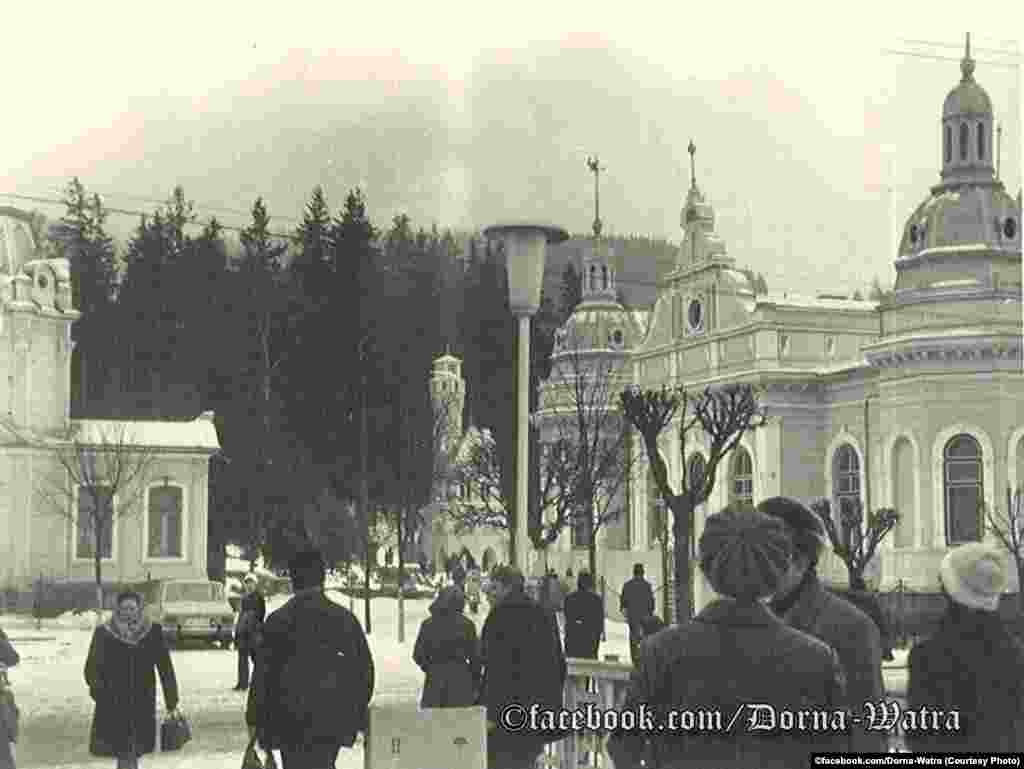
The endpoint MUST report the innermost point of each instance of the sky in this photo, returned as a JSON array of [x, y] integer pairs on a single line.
[[813, 145]]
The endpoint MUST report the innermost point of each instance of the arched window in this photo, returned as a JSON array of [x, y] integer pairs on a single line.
[[695, 477], [904, 494], [164, 522], [981, 141], [742, 488], [604, 278], [962, 489], [581, 530], [964, 139], [948, 143], [846, 478], [86, 518], [593, 278]]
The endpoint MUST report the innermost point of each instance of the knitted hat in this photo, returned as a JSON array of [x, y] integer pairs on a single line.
[[974, 575], [744, 554], [807, 529]]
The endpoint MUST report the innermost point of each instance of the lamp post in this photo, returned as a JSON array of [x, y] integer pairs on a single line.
[[525, 246]]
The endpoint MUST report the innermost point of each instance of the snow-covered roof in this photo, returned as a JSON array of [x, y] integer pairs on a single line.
[[814, 303], [197, 435]]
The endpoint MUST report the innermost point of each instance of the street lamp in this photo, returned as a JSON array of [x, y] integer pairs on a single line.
[[525, 246]]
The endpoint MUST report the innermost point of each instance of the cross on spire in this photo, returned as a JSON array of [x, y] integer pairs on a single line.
[[967, 64], [595, 168], [692, 149]]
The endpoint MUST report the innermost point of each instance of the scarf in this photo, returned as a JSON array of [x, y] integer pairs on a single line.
[[129, 632]]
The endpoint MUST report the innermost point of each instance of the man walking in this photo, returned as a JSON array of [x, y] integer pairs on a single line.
[[523, 664], [803, 603], [248, 629], [314, 674], [584, 619], [636, 603]]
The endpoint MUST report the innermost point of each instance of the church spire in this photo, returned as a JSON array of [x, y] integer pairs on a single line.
[[692, 149], [595, 168], [967, 63]]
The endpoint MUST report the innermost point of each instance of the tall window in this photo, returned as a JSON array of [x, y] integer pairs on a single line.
[[655, 516], [742, 490], [962, 489], [695, 477], [164, 514], [904, 494], [581, 531], [846, 478], [948, 143], [981, 141], [85, 546], [964, 139]]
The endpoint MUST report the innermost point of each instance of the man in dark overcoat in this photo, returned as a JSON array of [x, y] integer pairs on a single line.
[[804, 603], [636, 603], [523, 664], [305, 622], [584, 619], [249, 628], [119, 671]]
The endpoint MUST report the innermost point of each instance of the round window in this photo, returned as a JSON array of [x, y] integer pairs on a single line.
[[617, 338], [914, 233], [42, 281], [1010, 227], [695, 314]]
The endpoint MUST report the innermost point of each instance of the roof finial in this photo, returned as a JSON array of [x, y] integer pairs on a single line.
[[692, 149], [967, 65], [595, 168]]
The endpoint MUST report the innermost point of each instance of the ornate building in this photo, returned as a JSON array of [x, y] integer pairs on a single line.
[[46, 534], [917, 403]]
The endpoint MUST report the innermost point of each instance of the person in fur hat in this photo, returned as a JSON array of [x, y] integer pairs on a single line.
[[448, 652], [735, 652], [973, 664]]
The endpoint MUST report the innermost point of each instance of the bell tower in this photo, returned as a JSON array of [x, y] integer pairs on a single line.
[[448, 395], [598, 278]]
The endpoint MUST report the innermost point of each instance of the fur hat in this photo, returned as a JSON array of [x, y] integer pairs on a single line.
[[744, 553], [808, 530], [974, 575]]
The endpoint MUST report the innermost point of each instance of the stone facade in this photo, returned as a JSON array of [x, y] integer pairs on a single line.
[[39, 527]]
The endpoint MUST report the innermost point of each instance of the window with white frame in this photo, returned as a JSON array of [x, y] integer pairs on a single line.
[[962, 489], [581, 530], [846, 478], [695, 471], [742, 488], [164, 521], [95, 507]]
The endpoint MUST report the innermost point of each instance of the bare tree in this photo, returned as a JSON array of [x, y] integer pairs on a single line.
[[855, 540], [1008, 526], [102, 471], [724, 415], [585, 443]]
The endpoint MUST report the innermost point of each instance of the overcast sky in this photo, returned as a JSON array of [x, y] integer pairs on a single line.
[[813, 144]]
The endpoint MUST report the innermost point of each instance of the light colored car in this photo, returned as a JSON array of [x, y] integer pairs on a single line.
[[190, 609]]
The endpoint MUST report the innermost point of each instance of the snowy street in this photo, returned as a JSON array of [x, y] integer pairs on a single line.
[[56, 708]]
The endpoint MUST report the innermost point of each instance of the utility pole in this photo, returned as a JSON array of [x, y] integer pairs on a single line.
[[364, 486]]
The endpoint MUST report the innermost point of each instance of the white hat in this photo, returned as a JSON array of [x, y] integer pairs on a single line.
[[975, 575]]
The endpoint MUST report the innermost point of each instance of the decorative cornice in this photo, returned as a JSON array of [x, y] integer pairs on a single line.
[[963, 347]]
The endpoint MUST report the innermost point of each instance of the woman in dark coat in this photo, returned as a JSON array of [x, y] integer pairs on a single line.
[[972, 664], [447, 651], [251, 614], [584, 619], [119, 671]]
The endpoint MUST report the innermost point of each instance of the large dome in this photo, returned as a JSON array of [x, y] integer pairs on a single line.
[[967, 99], [971, 215], [597, 326]]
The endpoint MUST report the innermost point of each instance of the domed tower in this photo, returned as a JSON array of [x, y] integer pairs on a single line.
[[963, 242], [700, 241], [36, 314], [448, 394]]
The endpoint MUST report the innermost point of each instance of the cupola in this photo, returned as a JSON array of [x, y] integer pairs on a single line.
[[967, 151]]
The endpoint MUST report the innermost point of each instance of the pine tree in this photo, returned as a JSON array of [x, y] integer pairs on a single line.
[[314, 240], [571, 291]]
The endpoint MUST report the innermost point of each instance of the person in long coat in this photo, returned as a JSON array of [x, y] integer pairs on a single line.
[[248, 630], [8, 708], [584, 619], [119, 671], [636, 603], [448, 651], [973, 664], [523, 665], [804, 603], [734, 653]]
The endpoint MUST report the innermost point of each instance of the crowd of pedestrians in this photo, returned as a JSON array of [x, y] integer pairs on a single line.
[[774, 635]]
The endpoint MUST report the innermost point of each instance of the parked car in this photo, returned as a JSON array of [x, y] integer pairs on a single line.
[[190, 609]]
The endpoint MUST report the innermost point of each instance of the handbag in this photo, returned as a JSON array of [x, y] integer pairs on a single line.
[[251, 759], [175, 731]]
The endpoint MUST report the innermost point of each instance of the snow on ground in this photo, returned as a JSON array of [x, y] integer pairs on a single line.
[[56, 710]]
